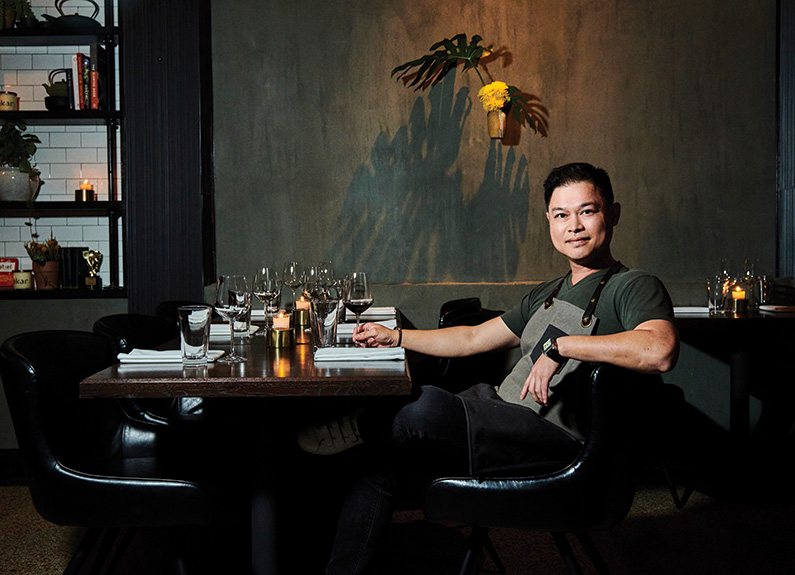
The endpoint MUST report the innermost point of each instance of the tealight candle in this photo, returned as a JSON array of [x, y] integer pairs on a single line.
[[281, 321], [86, 186], [301, 303], [738, 293]]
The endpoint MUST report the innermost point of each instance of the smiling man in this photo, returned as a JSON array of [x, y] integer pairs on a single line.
[[600, 311]]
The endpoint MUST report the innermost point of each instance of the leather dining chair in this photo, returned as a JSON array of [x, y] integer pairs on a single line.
[[592, 493], [130, 331], [459, 373], [86, 463]]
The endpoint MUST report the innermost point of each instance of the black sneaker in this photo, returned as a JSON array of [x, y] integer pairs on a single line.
[[331, 436]]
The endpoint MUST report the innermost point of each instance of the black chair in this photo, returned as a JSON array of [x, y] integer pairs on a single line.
[[594, 492], [459, 373], [86, 463], [129, 331]]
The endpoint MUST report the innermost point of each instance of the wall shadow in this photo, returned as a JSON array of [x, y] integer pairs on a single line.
[[405, 217]]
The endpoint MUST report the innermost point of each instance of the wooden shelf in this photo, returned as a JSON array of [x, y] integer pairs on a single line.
[[62, 117], [51, 35], [70, 293], [59, 209]]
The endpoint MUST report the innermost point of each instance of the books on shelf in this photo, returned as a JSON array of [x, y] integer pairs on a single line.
[[88, 83]]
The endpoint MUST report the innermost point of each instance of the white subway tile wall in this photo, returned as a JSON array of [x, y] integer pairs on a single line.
[[67, 155]]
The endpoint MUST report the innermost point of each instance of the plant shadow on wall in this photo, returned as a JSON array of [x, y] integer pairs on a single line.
[[405, 216]]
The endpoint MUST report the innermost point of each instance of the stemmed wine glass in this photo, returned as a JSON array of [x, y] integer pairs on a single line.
[[267, 286], [232, 301], [356, 294], [312, 287], [325, 274], [292, 276]]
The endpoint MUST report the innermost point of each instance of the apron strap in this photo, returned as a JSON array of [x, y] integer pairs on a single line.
[[587, 317]]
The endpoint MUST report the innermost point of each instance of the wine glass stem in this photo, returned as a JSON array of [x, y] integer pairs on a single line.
[[357, 321], [232, 338]]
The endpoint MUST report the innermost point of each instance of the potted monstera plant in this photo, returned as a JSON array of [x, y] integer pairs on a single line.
[[19, 179]]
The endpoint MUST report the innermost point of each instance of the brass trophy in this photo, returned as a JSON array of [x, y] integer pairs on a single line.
[[94, 260]]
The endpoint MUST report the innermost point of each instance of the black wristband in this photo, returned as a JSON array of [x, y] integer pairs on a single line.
[[400, 336]]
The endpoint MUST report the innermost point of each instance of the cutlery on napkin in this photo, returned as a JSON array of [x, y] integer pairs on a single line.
[[360, 354], [161, 356], [685, 310]]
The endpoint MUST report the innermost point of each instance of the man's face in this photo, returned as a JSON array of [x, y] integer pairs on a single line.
[[581, 225]]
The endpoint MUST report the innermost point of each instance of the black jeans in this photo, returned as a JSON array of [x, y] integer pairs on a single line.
[[423, 440]]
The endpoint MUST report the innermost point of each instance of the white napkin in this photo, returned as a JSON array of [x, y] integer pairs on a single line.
[[690, 311], [360, 354], [347, 328], [161, 356], [220, 330], [379, 311]]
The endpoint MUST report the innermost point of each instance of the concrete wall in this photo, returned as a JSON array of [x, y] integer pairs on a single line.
[[321, 155]]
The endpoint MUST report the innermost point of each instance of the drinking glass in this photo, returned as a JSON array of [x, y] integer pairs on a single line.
[[356, 295], [325, 274], [267, 287], [292, 276], [232, 301]]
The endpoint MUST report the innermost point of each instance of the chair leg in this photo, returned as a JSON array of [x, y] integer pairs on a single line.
[[493, 554], [82, 552], [567, 554], [679, 501], [477, 541], [593, 554]]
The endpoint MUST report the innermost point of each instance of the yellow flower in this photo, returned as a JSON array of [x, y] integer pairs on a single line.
[[494, 96]]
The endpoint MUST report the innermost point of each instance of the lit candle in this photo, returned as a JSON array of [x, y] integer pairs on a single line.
[[301, 303], [738, 293], [281, 321], [86, 186]]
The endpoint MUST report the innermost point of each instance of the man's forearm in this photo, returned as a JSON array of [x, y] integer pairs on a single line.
[[652, 347]]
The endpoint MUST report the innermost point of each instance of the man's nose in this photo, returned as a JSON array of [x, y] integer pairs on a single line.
[[575, 224]]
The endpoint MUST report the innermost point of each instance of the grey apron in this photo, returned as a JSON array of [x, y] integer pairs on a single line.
[[502, 435]]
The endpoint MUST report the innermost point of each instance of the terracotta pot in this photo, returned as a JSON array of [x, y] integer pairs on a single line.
[[45, 275], [496, 119]]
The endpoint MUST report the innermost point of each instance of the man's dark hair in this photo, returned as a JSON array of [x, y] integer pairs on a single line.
[[576, 173]]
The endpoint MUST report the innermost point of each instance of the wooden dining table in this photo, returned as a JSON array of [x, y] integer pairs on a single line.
[[744, 341], [268, 372], [274, 385]]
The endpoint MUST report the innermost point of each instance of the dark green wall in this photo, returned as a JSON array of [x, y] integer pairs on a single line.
[[320, 154]]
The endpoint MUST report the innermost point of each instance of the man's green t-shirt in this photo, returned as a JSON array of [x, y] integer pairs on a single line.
[[629, 298]]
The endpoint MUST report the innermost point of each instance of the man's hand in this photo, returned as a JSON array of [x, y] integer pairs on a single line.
[[537, 383], [375, 335]]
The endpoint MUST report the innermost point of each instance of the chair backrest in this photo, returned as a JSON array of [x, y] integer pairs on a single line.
[[593, 492], [457, 374], [75, 450], [131, 330]]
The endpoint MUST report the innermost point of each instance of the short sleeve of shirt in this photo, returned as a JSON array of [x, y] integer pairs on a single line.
[[630, 298]]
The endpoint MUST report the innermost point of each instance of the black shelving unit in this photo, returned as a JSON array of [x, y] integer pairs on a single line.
[[111, 118]]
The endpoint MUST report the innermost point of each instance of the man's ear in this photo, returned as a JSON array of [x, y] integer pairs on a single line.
[[615, 213]]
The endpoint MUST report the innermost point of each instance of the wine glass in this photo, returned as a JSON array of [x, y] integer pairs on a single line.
[[325, 274], [232, 301], [267, 286], [292, 276], [312, 286], [356, 295]]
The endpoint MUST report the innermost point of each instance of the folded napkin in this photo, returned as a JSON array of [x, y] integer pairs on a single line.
[[347, 328], [258, 314], [218, 330], [359, 353], [379, 311], [160, 356], [690, 311]]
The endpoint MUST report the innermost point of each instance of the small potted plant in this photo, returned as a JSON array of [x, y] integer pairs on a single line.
[[19, 179], [26, 19], [46, 257]]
